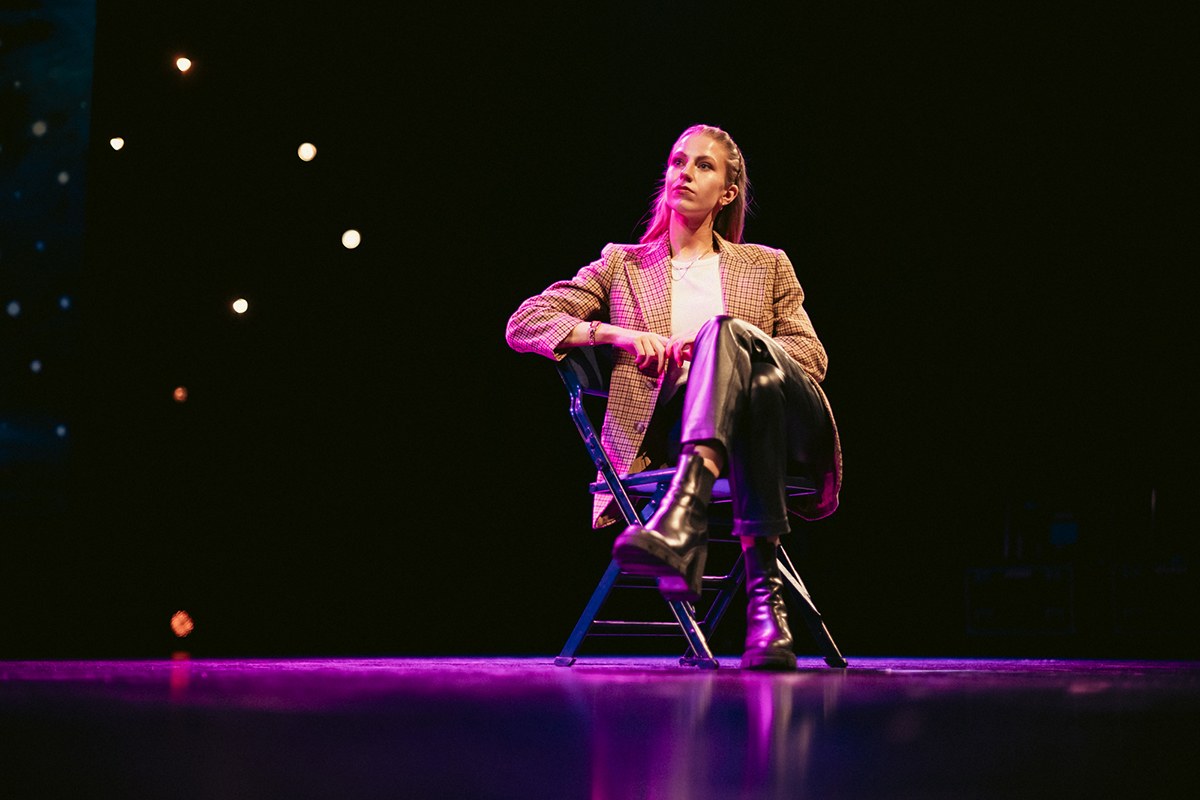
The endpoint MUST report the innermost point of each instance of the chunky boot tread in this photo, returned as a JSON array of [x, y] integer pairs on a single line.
[[769, 659], [639, 548]]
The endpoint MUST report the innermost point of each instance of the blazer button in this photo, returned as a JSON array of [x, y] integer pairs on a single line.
[[649, 383], [639, 427]]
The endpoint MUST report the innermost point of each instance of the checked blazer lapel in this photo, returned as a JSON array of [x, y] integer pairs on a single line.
[[743, 283], [650, 279]]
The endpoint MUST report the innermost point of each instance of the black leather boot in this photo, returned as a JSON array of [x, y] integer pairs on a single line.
[[673, 545], [768, 637]]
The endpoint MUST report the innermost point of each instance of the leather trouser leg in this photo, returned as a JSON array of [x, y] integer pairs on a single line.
[[749, 398], [758, 459]]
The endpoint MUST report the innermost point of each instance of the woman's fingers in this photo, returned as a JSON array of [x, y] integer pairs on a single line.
[[680, 348], [639, 350], [673, 349], [651, 351], [656, 353]]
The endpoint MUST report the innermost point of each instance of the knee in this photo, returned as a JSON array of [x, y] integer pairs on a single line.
[[766, 380], [715, 325], [724, 327]]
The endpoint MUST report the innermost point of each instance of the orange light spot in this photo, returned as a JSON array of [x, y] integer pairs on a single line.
[[181, 624], [180, 394]]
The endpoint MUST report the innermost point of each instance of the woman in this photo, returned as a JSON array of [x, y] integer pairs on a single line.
[[716, 367]]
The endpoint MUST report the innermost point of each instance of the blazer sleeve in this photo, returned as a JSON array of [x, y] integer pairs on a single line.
[[540, 323], [793, 329]]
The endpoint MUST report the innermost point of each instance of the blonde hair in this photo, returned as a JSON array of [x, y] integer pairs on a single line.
[[731, 219]]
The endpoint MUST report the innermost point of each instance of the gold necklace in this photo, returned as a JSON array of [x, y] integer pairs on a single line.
[[685, 269]]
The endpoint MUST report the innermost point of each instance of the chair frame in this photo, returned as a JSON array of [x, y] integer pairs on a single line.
[[585, 371]]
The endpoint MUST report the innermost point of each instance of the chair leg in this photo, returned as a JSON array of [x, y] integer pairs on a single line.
[[812, 617], [683, 612], [703, 657], [718, 607], [720, 604], [567, 657]]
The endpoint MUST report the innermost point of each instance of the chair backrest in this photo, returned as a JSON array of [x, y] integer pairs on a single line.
[[585, 370]]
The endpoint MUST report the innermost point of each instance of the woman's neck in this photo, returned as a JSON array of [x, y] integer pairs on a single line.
[[690, 240]]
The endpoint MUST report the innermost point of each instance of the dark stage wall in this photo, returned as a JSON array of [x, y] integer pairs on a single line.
[[992, 212]]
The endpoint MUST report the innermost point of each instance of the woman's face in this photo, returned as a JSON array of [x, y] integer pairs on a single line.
[[696, 181]]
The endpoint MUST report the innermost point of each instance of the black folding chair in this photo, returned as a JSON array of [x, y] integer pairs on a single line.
[[585, 371]]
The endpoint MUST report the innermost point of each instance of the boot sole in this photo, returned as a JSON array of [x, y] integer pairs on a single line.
[[769, 659], [675, 587], [642, 553]]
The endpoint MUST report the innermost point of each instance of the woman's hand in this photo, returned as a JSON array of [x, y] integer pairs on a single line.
[[649, 349], [679, 348]]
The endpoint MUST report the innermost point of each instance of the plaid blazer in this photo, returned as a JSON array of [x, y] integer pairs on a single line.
[[630, 286]]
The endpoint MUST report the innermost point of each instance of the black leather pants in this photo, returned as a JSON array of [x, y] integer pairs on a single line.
[[747, 397]]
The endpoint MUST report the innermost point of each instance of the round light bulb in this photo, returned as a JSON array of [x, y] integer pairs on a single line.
[[182, 624]]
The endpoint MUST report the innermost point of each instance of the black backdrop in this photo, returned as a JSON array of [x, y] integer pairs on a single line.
[[992, 211]]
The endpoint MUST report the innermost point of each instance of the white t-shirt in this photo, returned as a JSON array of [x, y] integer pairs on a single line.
[[695, 299]]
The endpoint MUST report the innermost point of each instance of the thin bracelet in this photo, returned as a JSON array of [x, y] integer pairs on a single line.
[[592, 332]]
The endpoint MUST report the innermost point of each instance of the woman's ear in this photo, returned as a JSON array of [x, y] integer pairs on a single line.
[[729, 195]]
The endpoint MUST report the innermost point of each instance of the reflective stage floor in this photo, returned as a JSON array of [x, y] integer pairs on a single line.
[[606, 728]]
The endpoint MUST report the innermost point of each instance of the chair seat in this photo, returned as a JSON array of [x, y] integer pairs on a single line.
[[645, 484]]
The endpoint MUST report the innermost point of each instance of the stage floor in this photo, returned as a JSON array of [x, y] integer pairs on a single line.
[[612, 728]]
